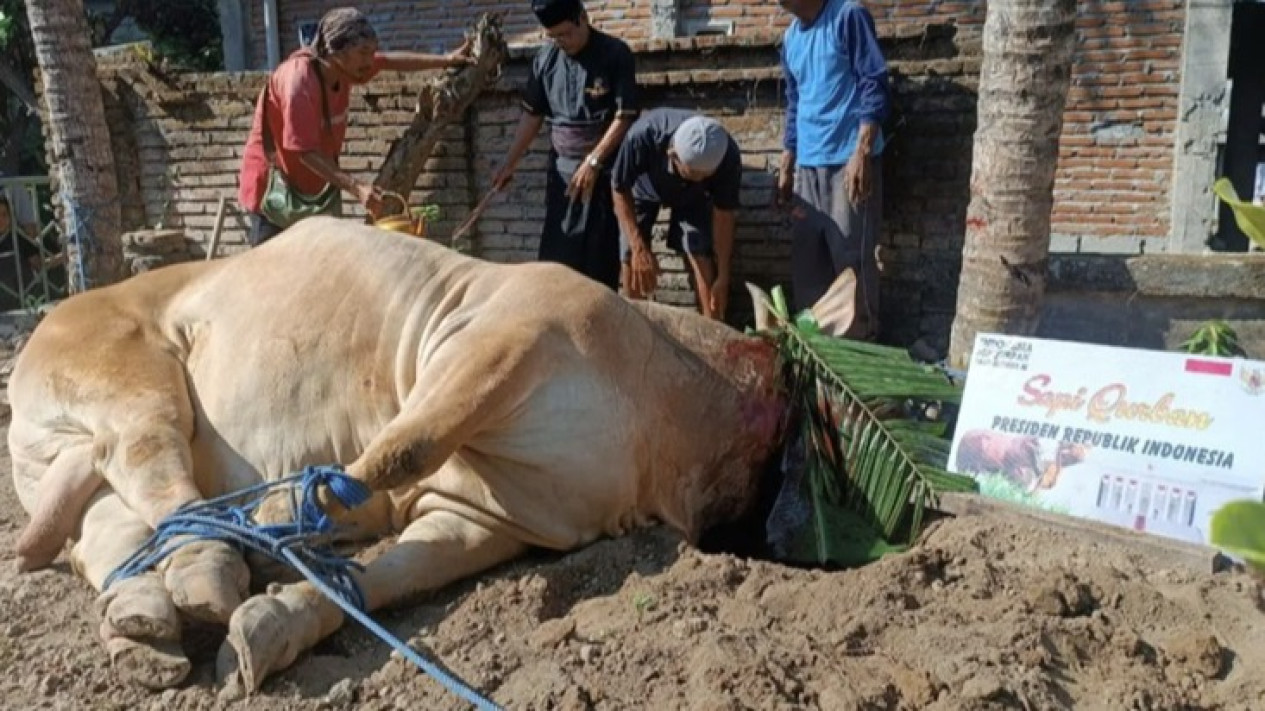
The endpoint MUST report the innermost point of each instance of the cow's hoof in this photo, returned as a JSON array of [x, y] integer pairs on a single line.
[[208, 581], [259, 642], [268, 632], [276, 507], [36, 555], [154, 664], [138, 607]]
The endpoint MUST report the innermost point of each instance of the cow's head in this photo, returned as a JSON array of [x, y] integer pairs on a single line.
[[1070, 453], [733, 499], [1066, 454]]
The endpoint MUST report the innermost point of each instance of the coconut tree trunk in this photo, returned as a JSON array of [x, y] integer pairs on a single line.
[[79, 141], [1028, 46]]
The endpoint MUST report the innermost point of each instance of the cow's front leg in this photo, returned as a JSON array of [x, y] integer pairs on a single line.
[[268, 632], [473, 381]]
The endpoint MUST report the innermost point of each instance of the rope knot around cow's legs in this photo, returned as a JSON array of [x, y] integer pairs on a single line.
[[232, 518], [302, 543]]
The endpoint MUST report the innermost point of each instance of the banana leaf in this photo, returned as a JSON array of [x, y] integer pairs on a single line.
[[871, 466]]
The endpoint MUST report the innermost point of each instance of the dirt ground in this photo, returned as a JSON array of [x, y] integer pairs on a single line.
[[987, 612]]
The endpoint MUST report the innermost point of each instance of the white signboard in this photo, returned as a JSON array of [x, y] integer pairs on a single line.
[[1148, 440]]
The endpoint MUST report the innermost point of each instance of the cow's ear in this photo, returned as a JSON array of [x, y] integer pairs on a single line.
[[835, 310], [763, 307]]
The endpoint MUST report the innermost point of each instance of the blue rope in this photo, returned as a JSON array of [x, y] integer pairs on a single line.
[[79, 222], [304, 543], [449, 681]]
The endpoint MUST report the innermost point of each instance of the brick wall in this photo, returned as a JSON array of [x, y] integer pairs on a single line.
[[1116, 152], [436, 25], [186, 135], [178, 143], [1116, 156]]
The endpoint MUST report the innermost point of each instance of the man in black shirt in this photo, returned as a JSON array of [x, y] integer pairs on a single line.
[[687, 162], [583, 83]]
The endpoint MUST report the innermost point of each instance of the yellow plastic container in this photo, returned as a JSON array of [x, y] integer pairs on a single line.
[[404, 220]]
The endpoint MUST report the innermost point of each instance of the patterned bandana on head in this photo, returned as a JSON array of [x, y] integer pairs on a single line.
[[555, 12], [340, 29]]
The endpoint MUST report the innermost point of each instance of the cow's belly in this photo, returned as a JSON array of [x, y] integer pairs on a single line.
[[557, 466], [241, 441]]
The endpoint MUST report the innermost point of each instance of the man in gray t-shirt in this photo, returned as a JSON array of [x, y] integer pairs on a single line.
[[688, 163]]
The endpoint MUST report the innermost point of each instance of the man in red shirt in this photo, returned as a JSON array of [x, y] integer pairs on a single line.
[[305, 103]]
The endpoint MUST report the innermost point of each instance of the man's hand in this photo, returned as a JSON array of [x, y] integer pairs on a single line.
[[719, 297], [857, 178], [370, 196], [503, 177], [644, 277], [581, 185], [785, 192], [462, 56]]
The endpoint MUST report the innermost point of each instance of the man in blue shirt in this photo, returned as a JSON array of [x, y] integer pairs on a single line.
[[836, 96]]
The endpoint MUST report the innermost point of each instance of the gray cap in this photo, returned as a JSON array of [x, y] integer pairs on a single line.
[[700, 144]]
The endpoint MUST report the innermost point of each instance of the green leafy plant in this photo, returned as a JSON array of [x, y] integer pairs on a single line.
[[871, 468], [185, 35], [1249, 217], [1214, 338], [427, 213], [1239, 528], [21, 140], [644, 602], [8, 23]]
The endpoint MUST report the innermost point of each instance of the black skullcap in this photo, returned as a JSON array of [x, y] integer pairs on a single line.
[[554, 12]]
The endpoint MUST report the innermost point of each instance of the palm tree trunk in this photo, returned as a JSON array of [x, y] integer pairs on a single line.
[[1028, 47], [79, 141], [442, 102]]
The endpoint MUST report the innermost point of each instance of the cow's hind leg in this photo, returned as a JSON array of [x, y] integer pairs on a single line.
[[139, 624], [475, 380], [142, 449], [268, 632]]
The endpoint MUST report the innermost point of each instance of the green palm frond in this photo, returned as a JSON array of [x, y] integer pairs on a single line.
[[865, 453]]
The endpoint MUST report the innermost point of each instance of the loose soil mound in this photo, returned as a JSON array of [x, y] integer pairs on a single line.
[[989, 611]]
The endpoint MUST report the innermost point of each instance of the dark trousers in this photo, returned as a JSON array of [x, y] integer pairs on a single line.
[[261, 230], [581, 235], [831, 234], [689, 227]]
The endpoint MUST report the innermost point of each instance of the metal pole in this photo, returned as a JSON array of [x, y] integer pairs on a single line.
[[272, 33]]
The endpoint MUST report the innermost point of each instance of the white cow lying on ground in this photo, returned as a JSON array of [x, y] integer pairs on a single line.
[[489, 407]]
